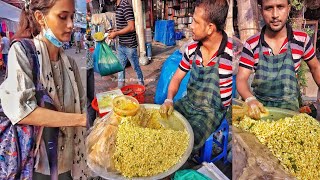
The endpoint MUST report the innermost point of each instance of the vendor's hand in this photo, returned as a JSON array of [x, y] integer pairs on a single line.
[[255, 108], [166, 109], [112, 35]]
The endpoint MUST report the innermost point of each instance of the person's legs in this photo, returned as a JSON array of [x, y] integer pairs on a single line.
[[121, 54], [5, 59], [91, 114], [132, 55], [76, 46], [79, 42]]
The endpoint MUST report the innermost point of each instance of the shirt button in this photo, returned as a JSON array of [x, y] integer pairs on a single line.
[[58, 87], [55, 66], [62, 148]]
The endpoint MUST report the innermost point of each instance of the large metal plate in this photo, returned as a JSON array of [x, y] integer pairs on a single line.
[[100, 171], [274, 113]]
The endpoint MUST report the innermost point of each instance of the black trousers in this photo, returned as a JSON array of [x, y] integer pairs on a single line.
[[91, 113]]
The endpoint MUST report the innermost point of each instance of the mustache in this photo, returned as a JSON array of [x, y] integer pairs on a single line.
[[275, 21]]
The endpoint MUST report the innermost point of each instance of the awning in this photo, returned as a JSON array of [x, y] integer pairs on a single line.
[[10, 12]]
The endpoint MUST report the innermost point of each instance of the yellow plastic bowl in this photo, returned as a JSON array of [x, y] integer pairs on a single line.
[[125, 105]]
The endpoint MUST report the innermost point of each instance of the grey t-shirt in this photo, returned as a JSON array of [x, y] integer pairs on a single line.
[[5, 44]]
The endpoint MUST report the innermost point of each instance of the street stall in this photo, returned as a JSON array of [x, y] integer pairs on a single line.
[[282, 145], [133, 141]]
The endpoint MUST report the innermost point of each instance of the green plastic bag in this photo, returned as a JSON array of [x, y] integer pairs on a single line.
[[189, 174], [108, 63]]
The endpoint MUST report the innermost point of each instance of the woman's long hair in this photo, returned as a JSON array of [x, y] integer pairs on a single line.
[[28, 26]]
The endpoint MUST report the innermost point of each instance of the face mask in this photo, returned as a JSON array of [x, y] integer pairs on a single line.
[[51, 37]]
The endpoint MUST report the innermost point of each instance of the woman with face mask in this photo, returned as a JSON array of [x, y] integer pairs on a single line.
[[59, 148]]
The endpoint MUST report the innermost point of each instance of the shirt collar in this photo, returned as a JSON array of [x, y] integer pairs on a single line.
[[221, 47], [289, 35]]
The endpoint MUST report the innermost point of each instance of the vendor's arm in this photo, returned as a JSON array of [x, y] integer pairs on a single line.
[[166, 108], [246, 66], [314, 67], [310, 58], [255, 107], [184, 66], [175, 83], [242, 82], [18, 100]]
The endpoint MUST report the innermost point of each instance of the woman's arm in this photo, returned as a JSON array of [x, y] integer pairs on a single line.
[[49, 118], [18, 100]]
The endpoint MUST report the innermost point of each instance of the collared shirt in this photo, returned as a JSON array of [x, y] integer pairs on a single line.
[[225, 67], [300, 44], [124, 13]]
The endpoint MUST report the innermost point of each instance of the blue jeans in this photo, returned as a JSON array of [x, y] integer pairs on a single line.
[[5, 59], [131, 54]]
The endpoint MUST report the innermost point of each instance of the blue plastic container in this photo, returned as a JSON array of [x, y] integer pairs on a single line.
[[164, 32]]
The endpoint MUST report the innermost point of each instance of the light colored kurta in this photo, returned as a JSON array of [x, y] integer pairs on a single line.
[[62, 80]]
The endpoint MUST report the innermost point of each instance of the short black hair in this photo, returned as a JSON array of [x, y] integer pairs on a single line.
[[215, 11], [260, 2], [3, 34]]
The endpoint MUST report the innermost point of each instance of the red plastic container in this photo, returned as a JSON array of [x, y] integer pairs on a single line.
[[135, 90], [94, 105]]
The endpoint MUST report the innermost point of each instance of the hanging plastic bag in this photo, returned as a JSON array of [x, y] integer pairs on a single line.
[[95, 57], [108, 63]]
